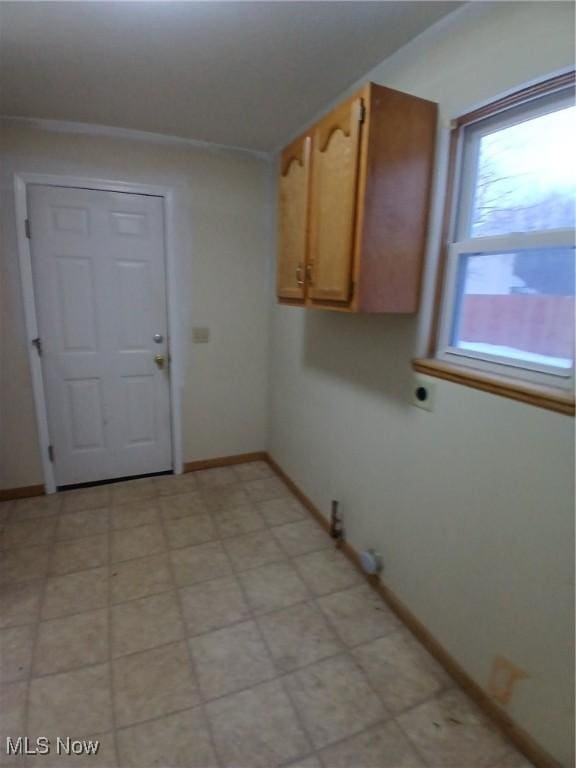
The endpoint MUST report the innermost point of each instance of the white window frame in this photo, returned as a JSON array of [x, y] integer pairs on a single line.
[[460, 243]]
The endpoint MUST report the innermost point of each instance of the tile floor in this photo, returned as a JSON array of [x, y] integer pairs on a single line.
[[206, 620]]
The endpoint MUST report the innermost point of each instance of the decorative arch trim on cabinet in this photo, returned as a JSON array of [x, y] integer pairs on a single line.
[[353, 219]]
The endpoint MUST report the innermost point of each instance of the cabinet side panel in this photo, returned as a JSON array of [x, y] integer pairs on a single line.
[[401, 140]]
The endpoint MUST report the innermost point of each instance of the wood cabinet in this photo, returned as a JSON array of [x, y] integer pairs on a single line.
[[293, 235], [354, 200]]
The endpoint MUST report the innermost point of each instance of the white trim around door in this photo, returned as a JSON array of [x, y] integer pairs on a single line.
[[21, 180]]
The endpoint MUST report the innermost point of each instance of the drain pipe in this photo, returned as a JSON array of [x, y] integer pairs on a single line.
[[336, 524]]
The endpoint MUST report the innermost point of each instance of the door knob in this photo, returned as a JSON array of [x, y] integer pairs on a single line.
[[160, 360]]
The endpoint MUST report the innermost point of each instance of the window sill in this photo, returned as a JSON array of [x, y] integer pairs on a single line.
[[541, 397]]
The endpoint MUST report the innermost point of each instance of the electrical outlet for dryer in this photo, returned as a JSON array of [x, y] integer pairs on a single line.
[[423, 394]]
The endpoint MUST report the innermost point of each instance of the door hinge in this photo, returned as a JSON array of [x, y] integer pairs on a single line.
[[51, 453], [37, 342], [361, 112], [27, 228]]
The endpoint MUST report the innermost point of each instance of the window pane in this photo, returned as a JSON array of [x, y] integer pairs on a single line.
[[526, 176], [517, 305]]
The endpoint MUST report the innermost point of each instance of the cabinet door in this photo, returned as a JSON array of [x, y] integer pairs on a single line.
[[333, 204], [293, 219]]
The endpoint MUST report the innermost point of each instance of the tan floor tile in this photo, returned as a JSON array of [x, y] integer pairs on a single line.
[[75, 593], [253, 470], [79, 525], [327, 570], [358, 615], [13, 715], [175, 507], [134, 514], [273, 586], [212, 605], [284, 510], [140, 578], [298, 636], [230, 659], [400, 670], [104, 757], [257, 728], [146, 623], [513, 760], [153, 683], [29, 533], [131, 543], [24, 564], [229, 497], [12, 722], [216, 477], [172, 485], [308, 762], [266, 488], [382, 746], [20, 603], [72, 703], [253, 550], [79, 554], [190, 531], [11, 760], [133, 490], [71, 642], [334, 700], [302, 537], [235, 521], [86, 498], [196, 564], [450, 731], [5, 509], [176, 741], [36, 506], [15, 653]]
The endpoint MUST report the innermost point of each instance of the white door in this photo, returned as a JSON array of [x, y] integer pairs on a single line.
[[100, 290]]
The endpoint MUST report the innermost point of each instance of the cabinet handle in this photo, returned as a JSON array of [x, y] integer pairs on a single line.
[[309, 268], [299, 279]]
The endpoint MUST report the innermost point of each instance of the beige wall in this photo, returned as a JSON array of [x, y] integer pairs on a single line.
[[222, 263], [471, 506]]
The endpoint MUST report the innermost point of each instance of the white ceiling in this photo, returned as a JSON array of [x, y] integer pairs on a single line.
[[246, 74]]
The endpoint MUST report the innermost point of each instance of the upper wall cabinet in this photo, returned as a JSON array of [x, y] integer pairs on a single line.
[[294, 185], [354, 199]]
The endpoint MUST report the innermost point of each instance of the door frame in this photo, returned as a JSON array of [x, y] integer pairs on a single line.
[[21, 182]]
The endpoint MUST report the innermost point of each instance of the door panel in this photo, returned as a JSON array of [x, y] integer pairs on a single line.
[[333, 206], [70, 219], [129, 224], [85, 414], [100, 290], [138, 395], [75, 286], [293, 219], [132, 280]]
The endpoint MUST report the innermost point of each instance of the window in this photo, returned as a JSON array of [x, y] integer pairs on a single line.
[[510, 272]]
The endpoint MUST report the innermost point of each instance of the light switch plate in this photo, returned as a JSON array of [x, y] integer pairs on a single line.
[[200, 335], [423, 394]]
